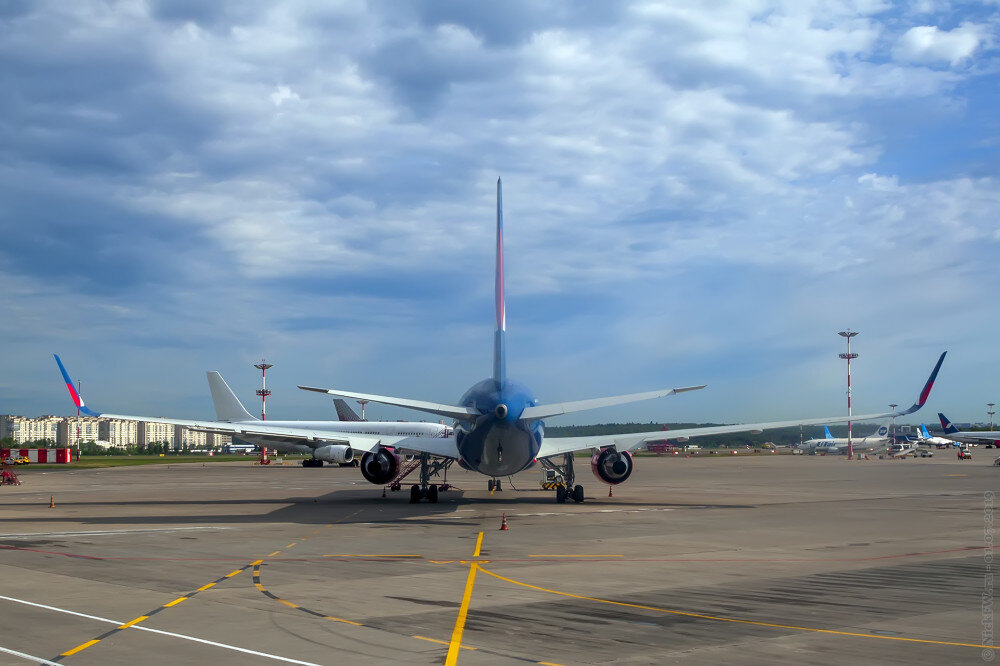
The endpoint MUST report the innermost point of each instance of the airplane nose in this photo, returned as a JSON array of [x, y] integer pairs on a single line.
[[501, 411]]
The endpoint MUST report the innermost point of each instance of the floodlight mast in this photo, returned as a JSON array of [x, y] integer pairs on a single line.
[[262, 391], [990, 412], [892, 408], [849, 334]]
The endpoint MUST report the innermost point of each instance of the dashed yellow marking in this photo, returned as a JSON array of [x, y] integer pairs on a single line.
[[135, 621], [80, 647], [274, 553], [338, 619], [256, 562], [731, 619], [175, 602], [956, 475], [291, 545], [230, 575], [288, 603], [549, 663], [259, 586], [205, 587], [435, 640]]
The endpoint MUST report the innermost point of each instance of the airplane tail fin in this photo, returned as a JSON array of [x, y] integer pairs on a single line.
[[499, 343], [227, 406], [881, 431], [826, 432], [946, 424], [923, 431], [344, 411]]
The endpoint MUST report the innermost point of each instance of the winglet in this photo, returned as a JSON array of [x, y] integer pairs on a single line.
[[927, 388], [77, 400], [499, 344]]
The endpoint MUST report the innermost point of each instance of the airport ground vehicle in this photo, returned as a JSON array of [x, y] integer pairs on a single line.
[[964, 455]]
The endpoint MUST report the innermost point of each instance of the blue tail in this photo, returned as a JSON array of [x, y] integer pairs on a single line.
[[946, 424], [499, 344], [826, 429], [923, 431]]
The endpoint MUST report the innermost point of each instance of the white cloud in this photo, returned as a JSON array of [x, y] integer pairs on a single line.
[[929, 44]]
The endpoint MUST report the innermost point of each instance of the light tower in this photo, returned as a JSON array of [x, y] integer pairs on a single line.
[[991, 413], [892, 408], [849, 334], [262, 391], [363, 402]]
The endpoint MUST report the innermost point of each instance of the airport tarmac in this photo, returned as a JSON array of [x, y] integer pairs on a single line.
[[758, 560]]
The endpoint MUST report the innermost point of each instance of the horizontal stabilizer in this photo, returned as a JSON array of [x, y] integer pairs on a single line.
[[547, 411], [452, 411]]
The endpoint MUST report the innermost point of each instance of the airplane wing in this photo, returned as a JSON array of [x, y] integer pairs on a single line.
[[552, 446], [311, 437], [547, 411], [441, 409]]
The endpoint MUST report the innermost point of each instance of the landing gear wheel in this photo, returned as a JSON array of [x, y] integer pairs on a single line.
[[415, 494], [561, 494], [578, 494], [432, 494], [489, 485], [496, 486]]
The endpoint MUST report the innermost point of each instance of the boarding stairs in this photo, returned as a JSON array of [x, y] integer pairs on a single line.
[[405, 470]]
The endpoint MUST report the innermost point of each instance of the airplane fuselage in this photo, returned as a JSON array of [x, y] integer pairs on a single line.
[[498, 443]]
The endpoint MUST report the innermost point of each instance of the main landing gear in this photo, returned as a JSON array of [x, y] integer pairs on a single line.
[[564, 478], [312, 462], [426, 490], [494, 484]]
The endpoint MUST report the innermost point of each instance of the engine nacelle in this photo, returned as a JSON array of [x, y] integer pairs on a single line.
[[379, 467], [612, 466], [334, 453]]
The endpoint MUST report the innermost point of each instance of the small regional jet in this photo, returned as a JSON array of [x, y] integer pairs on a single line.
[[988, 437], [831, 444], [499, 428]]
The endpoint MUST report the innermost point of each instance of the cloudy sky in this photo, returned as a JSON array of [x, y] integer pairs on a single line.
[[694, 193]]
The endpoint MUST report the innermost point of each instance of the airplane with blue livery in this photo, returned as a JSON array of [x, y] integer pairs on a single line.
[[499, 426]]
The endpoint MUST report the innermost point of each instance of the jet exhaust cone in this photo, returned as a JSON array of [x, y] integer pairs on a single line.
[[501, 411]]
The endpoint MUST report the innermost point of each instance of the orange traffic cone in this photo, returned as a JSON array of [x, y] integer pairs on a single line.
[[503, 523], [52, 501], [610, 494]]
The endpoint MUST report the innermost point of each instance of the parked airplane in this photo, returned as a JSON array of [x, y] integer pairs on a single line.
[[499, 427], [229, 410], [988, 437], [926, 438], [831, 444]]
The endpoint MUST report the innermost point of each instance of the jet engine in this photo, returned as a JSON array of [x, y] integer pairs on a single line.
[[334, 453], [380, 466], [611, 466]]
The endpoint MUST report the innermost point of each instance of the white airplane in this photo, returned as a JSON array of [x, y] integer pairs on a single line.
[[926, 438], [973, 437], [499, 427], [831, 444]]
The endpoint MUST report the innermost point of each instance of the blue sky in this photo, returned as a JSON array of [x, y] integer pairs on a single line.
[[693, 194]]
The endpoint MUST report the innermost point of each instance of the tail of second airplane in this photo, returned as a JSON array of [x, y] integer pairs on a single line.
[[826, 433], [499, 344], [946, 424], [344, 411], [923, 431], [227, 406]]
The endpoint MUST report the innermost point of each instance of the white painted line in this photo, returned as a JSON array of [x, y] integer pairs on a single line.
[[37, 660], [157, 631], [31, 535]]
